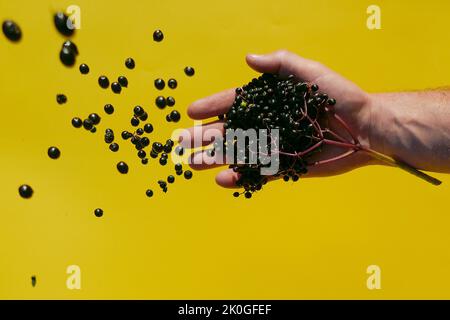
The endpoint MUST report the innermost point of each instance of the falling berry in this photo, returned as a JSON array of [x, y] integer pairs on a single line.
[[172, 83], [189, 71], [175, 116], [25, 191], [188, 174], [149, 193], [53, 152], [11, 30], [122, 167], [98, 212], [63, 24], [84, 68], [103, 82], [95, 118], [158, 36], [109, 109], [160, 102], [61, 98], [77, 122], [129, 63], [123, 81], [116, 87], [170, 101], [159, 84]]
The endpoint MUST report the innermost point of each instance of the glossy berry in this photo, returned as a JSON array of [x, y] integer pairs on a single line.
[[159, 84], [170, 101], [123, 81], [87, 124], [11, 30], [148, 128], [134, 122], [168, 119], [103, 82], [139, 131], [25, 191], [126, 135], [95, 118], [116, 87], [144, 161], [144, 117], [248, 195], [170, 179], [77, 122], [158, 36], [61, 98], [172, 83], [149, 193], [175, 116], [53, 152], [145, 141], [93, 130], [160, 102], [67, 57], [141, 154], [163, 161], [189, 71], [129, 63], [188, 174], [331, 102], [138, 111], [314, 87], [236, 194], [114, 147], [84, 68], [178, 167], [122, 167], [98, 212], [63, 24], [109, 108]]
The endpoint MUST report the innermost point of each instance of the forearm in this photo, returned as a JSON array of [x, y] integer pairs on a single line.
[[413, 127]]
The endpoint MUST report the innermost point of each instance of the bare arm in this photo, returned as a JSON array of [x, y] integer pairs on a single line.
[[414, 126]]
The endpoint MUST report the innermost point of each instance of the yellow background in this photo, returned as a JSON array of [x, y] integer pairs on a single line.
[[313, 239]]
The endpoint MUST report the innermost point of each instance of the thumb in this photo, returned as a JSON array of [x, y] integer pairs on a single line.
[[285, 63]]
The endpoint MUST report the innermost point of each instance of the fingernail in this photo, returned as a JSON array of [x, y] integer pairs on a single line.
[[253, 56]]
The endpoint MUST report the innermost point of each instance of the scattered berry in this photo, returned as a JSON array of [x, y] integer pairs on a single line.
[[84, 68], [61, 98], [159, 84], [25, 191], [103, 82], [98, 212], [172, 83], [109, 108], [189, 71], [122, 167], [116, 87], [11, 30], [158, 36], [53, 152]]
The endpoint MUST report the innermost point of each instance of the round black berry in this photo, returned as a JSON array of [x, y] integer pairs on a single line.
[[144, 117], [189, 71], [178, 167], [141, 154], [103, 82], [139, 131], [63, 24], [129, 63], [116, 87], [175, 116], [159, 84], [77, 122], [162, 161], [172, 83], [114, 147], [158, 36], [144, 161], [53, 152], [170, 101], [236, 194], [109, 108], [123, 81], [61, 98], [160, 102], [188, 174], [170, 179], [149, 193], [87, 124], [98, 212], [148, 128], [157, 147], [122, 167], [11, 30], [95, 118], [67, 57], [71, 46], [138, 111], [25, 191], [84, 68], [134, 121]]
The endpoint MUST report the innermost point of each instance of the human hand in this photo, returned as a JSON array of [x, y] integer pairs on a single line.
[[353, 106]]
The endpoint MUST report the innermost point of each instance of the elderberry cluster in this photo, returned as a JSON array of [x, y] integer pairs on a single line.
[[270, 102]]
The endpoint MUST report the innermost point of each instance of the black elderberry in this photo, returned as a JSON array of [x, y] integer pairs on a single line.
[[144, 161], [138, 111], [188, 174], [175, 116], [95, 118], [139, 131], [167, 148], [122, 167], [103, 82], [160, 102], [168, 118], [170, 179], [331, 102], [94, 130], [145, 141], [53, 152], [71, 46], [114, 147], [159, 84], [61, 98], [153, 154], [67, 57], [163, 161], [189, 71], [123, 81], [11, 30], [142, 154], [98, 212], [179, 150], [109, 109], [129, 63], [172, 83], [314, 87], [179, 172], [149, 193], [144, 117], [126, 135], [170, 101], [178, 167], [248, 195], [116, 87], [157, 147], [77, 122], [87, 124], [134, 121], [25, 191], [63, 24], [236, 194], [148, 128], [84, 68], [158, 36]]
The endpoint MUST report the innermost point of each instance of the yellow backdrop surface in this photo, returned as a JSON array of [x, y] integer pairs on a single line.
[[312, 239]]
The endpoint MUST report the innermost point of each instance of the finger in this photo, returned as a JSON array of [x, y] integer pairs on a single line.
[[285, 63], [227, 178], [201, 135], [212, 106], [200, 160]]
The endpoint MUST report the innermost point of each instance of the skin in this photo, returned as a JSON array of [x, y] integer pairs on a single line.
[[411, 126]]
